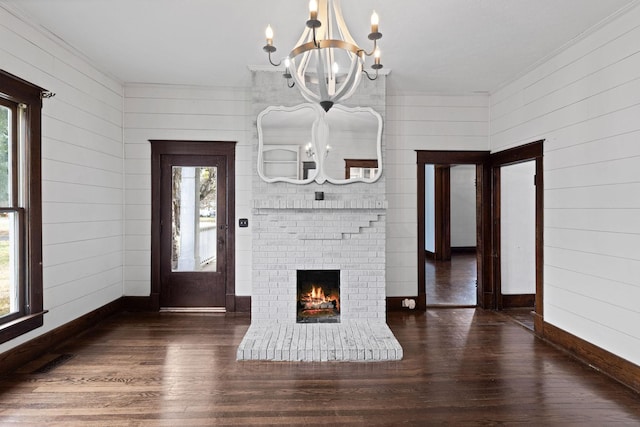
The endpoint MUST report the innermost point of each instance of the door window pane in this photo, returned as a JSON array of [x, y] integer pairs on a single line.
[[194, 218]]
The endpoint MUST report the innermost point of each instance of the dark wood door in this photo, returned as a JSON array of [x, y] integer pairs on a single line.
[[524, 153], [193, 231]]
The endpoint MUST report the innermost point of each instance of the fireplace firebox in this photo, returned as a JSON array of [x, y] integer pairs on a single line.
[[318, 296]]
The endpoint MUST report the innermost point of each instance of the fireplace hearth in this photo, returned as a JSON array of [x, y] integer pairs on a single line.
[[318, 293]]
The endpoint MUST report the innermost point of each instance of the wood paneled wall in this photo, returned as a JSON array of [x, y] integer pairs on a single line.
[[421, 122], [585, 103], [181, 113], [82, 165]]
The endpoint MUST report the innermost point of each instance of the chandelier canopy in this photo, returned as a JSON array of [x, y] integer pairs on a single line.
[[327, 64]]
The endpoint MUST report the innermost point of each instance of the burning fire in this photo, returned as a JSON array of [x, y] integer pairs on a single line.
[[316, 299], [317, 294]]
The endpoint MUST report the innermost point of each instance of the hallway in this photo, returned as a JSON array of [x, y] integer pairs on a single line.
[[461, 366], [452, 283]]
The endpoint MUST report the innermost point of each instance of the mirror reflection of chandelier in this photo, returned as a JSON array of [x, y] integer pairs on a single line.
[[327, 64]]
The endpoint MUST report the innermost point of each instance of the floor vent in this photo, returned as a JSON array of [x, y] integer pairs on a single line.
[[52, 364]]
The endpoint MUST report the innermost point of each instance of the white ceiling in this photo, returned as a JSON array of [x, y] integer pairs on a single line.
[[457, 46]]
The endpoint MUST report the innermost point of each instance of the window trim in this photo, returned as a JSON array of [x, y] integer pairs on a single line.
[[17, 90]]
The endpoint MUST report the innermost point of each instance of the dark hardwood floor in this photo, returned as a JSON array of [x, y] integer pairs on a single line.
[[522, 316], [452, 283], [461, 366]]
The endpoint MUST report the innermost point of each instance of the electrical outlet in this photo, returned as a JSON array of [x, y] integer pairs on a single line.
[[243, 222]]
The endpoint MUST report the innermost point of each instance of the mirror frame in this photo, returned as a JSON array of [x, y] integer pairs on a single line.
[[319, 138], [260, 165]]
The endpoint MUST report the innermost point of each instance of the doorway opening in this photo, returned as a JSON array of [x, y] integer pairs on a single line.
[[488, 215], [518, 211], [454, 275], [451, 235]]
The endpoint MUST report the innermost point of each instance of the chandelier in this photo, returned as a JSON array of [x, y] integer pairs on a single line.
[[327, 64]]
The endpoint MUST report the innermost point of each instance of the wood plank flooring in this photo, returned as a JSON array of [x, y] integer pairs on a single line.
[[461, 367], [452, 283]]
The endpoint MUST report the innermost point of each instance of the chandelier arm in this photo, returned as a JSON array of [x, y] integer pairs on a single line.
[[315, 41], [301, 63], [369, 76], [332, 78], [271, 61], [305, 37], [375, 46], [342, 28], [322, 83], [350, 84], [298, 74]]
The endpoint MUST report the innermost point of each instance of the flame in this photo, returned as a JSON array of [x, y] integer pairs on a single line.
[[316, 298], [317, 293]]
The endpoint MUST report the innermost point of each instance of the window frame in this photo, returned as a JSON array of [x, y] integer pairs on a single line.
[[16, 91]]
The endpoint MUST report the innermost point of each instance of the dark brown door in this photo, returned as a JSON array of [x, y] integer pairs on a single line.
[[524, 153], [193, 231]]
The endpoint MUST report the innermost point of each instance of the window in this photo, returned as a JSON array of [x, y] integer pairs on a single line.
[[21, 308], [360, 168]]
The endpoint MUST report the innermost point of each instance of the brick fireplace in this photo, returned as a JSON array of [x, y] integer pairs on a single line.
[[292, 232]]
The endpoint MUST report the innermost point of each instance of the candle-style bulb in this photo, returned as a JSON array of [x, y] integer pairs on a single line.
[[313, 9], [376, 56], [269, 34], [375, 21]]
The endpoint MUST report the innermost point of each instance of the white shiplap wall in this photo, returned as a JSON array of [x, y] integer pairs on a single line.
[[82, 170], [421, 122], [181, 113], [585, 102]]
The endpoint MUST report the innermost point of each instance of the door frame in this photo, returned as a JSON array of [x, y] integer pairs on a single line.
[[485, 293], [442, 205], [224, 149], [528, 152]]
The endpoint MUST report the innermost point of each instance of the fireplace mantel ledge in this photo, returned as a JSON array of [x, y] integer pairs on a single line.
[[320, 204]]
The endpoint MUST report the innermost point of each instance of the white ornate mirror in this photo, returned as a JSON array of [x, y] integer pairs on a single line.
[[283, 134], [302, 144]]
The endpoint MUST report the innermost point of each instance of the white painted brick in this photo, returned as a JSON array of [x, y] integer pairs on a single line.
[[293, 231]]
